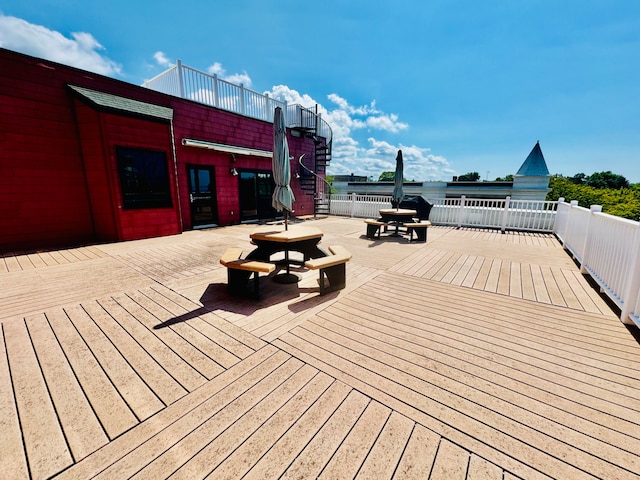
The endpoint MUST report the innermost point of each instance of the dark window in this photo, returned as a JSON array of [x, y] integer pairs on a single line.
[[144, 178]]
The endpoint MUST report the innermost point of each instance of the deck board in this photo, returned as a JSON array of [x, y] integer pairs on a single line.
[[358, 443], [159, 384], [113, 412], [367, 348], [44, 442], [215, 438], [13, 456], [475, 355], [134, 391], [318, 452], [137, 447], [400, 400], [182, 372], [81, 427], [419, 454]]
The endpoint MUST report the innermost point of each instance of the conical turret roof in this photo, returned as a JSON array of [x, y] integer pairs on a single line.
[[534, 165]]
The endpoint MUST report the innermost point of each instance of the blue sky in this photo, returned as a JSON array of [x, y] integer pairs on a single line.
[[458, 85]]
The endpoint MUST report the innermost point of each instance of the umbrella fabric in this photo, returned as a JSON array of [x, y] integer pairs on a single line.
[[283, 197], [398, 178]]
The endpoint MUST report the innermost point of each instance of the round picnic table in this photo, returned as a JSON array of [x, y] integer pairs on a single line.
[[272, 239], [398, 216]]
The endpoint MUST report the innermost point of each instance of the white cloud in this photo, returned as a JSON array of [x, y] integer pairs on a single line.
[[216, 69], [386, 122], [81, 51], [348, 121], [162, 59], [237, 78]]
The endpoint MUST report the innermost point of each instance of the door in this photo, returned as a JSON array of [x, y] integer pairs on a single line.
[[256, 191], [202, 198]]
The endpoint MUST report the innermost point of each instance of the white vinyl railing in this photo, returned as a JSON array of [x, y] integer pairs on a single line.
[[186, 82], [607, 248], [360, 206], [504, 214]]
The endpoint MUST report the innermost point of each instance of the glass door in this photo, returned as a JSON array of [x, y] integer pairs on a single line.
[[202, 198], [256, 190]]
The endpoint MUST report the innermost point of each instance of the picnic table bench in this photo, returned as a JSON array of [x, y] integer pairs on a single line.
[[420, 229], [333, 267], [374, 227], [239, 271]]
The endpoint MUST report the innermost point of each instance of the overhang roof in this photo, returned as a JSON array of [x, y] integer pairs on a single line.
[[111, 102]]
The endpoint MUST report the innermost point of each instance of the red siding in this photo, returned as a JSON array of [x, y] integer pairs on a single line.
[[58, 177], [42, 187]]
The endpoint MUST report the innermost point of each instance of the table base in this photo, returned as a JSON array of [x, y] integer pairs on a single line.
[[286, 278]]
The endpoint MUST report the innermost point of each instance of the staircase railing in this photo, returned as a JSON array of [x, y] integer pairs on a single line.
[[322, 188]]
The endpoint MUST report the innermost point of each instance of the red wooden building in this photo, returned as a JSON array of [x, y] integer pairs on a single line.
[[86, 158]]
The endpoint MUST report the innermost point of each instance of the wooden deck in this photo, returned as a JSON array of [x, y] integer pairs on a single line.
[[474, 356]]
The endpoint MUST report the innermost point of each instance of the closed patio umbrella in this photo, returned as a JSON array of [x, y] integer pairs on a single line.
[[283, 197], [398, 178]]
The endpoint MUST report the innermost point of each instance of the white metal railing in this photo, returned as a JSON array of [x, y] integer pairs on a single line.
[[607, 248], [186, 82], [504, 214]]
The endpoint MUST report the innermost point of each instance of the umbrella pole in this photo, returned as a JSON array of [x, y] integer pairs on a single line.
[[286, 227]]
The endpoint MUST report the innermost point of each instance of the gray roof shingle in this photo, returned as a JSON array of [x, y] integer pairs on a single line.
[[122, 104]]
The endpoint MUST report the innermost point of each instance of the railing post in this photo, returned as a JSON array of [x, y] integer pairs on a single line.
[[180, 79], [555, 224], [353, 203], [570, 218], [505, 213], [215, 89], [242, 99], [632, 283], [587, 239], [268, 107], [461, 212]]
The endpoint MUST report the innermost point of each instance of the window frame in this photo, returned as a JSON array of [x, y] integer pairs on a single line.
[[143, 176]]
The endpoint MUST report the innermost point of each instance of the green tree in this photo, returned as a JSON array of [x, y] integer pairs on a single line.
[[606, 180], [469, 177], [330, 179], [507, 178], [622, 202], [387, 176], [578, 178]]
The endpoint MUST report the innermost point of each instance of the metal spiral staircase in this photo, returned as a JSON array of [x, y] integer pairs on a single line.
[[313, 170]]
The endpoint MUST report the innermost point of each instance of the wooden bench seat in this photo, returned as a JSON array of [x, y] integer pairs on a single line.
[[333, 267], [239, 271], [374, 227], [420, 229]]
